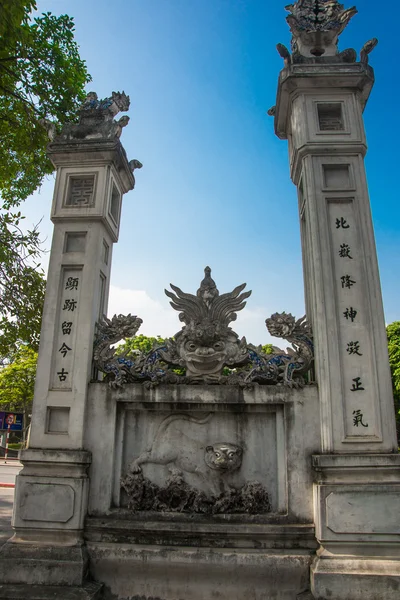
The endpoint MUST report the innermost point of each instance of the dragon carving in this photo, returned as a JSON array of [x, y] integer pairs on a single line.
[[296, 362], [110, 332], [206, 349]]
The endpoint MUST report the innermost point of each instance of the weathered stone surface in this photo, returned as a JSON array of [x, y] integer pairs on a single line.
[[276, 426], [43, 564], [305, 596], [89, 591], [178, 496], [51, 492], [47, 502], [199, 574], [364, 510], [224, 531], [355, 579]]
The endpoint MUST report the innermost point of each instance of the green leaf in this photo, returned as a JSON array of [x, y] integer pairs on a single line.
[[42, 76], [393, 335], [17, 382]]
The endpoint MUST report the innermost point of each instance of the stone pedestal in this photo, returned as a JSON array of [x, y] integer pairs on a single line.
[[357, 499], [51, 497]]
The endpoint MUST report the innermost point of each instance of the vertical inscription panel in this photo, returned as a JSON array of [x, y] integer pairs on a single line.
[[66, 328], [359, 378]]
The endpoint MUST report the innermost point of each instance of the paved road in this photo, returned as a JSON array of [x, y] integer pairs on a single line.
[[7, 475], [6, 504], [8, 472]]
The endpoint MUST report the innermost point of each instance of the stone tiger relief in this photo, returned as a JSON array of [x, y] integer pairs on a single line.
[[187, 456], [223, 457], [203, 477]]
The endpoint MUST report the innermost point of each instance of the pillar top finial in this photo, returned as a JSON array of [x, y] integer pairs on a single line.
[[96, 119], [316, 26], [96, 130]]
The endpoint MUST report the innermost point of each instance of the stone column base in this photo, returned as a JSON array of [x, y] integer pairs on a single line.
[[51, 497], [43, 565], [88, 591], [347, 578]]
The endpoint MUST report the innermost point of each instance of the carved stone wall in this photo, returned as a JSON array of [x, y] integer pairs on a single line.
[[171, 431], [250, 540]]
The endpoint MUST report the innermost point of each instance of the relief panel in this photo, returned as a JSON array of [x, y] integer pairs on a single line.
[[209, 461]]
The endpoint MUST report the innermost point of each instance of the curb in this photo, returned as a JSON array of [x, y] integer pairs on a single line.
[[7, 485]]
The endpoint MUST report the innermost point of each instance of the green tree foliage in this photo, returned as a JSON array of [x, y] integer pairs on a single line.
[[17, 381], [141, 343], [267, 349], [42, 80], [393, 335], [41, 77], [22, 286]]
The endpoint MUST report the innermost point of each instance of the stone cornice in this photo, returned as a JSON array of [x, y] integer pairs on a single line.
[[298, 78]]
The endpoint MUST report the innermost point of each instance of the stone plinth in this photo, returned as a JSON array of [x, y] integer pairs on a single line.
[[199, 574], [51, 495]]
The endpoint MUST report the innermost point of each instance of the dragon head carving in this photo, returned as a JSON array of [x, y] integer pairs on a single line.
[[206, 343], [119, 327], [281, 325]]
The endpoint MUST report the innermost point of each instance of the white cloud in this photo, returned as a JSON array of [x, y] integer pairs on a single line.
[[251, 324], [157, 319], [163, 320]]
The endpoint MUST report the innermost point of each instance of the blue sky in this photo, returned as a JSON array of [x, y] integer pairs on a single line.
[[215, 187]]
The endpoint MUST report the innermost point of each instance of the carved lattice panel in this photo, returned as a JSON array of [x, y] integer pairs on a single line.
[[80, 191]]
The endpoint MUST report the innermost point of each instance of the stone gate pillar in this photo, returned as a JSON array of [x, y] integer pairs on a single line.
[[321, 97], [93, 174]]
